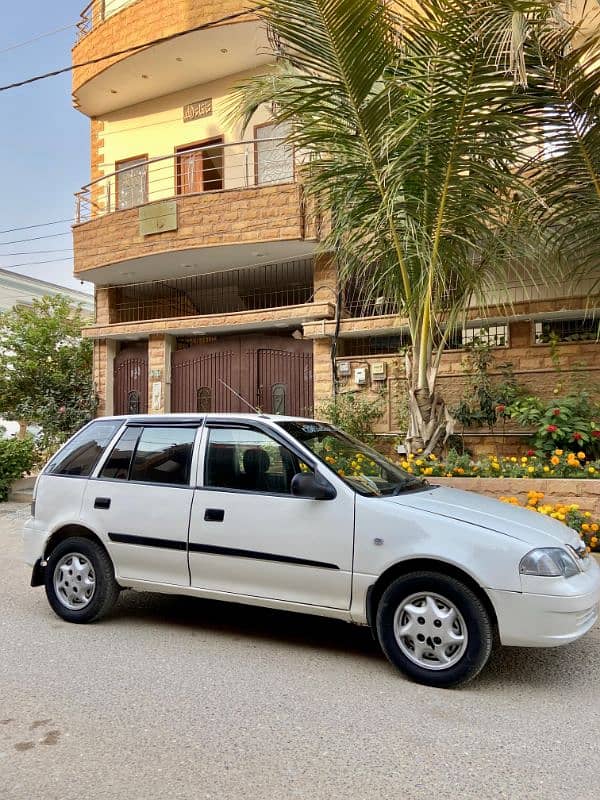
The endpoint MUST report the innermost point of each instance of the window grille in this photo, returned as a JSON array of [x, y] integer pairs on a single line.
[[580, 329]]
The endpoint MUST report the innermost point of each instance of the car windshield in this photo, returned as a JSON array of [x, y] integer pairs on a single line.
[[365, 470]]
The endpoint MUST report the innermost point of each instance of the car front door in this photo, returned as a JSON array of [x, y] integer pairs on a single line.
[[140, 502], [250, 536]]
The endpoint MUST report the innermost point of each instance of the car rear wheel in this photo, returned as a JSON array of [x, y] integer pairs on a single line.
[[434, 629], [80, 580]]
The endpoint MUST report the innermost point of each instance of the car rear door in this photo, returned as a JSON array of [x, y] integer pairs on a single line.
[[141, 499]]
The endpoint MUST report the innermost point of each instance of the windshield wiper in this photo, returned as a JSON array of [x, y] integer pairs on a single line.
[[409, 486]]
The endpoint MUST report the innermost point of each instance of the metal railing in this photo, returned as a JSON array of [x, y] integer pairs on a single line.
[[228, 292], [214, 167], [96, 12]]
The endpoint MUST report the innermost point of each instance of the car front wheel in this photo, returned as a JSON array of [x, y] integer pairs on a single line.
[[80, 580], [434, 629]]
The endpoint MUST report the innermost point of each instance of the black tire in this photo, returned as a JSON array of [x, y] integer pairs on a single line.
[[106, 590], [479, 629]]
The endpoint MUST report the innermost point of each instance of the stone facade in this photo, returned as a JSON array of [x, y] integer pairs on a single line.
[[142, 21], [248, 216]]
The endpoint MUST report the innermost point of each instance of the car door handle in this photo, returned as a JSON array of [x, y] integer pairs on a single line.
[[102, 502], [214, 515]]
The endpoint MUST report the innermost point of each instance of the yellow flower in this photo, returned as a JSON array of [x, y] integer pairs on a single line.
[[581, 456], [419, 462], [594, 527], [428, 471], [524, 460], [530, 469], [558, 452], [546, 469], [587, 514], [555, 460], [513, 459], [591, 470], [433, 457]]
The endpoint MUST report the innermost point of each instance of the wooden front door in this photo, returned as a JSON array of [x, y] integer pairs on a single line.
[[200, 167], [131, 381]]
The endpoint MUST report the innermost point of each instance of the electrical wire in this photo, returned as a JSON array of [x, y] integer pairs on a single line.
[[36, 238], [35, 252], [37, 38], [133, 49], [39, 225], [35, 263]]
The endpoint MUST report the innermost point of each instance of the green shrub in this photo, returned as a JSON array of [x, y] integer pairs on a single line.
[[16, 459], [354, 413]]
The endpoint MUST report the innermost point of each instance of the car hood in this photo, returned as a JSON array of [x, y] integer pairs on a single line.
[[475, 509]]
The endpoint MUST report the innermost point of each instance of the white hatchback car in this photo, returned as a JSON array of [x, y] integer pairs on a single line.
[[294, 514]]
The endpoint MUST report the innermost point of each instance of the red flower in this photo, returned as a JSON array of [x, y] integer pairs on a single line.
[[531, 452], [596, 434], [556, 412], [577, 436], [551, 428], [500, 409]]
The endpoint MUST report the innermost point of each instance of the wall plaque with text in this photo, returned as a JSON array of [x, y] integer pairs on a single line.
[[197, 110], [158, 217]]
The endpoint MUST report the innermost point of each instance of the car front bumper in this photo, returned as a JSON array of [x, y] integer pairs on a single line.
[[532, 619]]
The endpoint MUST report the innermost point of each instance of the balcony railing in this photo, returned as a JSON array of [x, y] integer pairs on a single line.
[[229, 292], [214, 167], [96, 12]]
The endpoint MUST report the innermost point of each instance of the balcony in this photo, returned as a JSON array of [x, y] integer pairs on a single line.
[[273, 296], [201, 209], [97, 12], [199, 55]]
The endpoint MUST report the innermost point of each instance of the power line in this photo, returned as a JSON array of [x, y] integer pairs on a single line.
[[34, 263], [35, 252], [40, 225], [36, 238], [133, 49], [37, 38]]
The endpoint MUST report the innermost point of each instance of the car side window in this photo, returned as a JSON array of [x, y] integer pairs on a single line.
[[249, 460], [80, 456], [117, 465], [164, 455]]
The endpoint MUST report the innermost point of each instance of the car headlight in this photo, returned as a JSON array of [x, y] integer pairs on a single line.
[[549, 562]]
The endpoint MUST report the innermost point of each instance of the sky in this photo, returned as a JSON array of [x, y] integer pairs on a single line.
[[44, 142]]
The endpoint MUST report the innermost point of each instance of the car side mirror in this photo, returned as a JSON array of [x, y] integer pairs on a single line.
[[305, 484]]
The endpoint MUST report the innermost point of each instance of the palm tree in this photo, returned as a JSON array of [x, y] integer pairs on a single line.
[[420, 123]]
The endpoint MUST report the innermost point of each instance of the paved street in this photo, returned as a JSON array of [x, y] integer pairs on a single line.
[[177, 698]]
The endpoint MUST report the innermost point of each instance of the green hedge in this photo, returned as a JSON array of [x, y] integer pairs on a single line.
[[16, 459]]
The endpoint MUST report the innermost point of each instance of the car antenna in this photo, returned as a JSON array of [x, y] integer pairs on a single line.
[[239, 396]]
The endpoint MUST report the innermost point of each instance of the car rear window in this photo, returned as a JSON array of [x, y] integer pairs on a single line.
[[79, 457]]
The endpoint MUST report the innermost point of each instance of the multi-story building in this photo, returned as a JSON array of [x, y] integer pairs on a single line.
[[211, 292]]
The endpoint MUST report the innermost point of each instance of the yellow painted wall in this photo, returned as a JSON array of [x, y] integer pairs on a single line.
[[156, 127]]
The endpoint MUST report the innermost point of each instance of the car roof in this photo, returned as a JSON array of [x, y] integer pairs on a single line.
[[154, 418]]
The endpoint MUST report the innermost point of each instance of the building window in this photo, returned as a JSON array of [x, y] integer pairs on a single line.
[[132, 182], [373, 345], [492, 335], [278, 398], [580, 329], [204, 399], [133, 402], [201, 167]]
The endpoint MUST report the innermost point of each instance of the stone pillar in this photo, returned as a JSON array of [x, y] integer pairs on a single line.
[[520, 333], [160, 348], [105, 305], [325, 278], [104, 373], [323, 372]]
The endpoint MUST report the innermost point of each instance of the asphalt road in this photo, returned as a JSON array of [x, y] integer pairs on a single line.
[[177, 698]]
